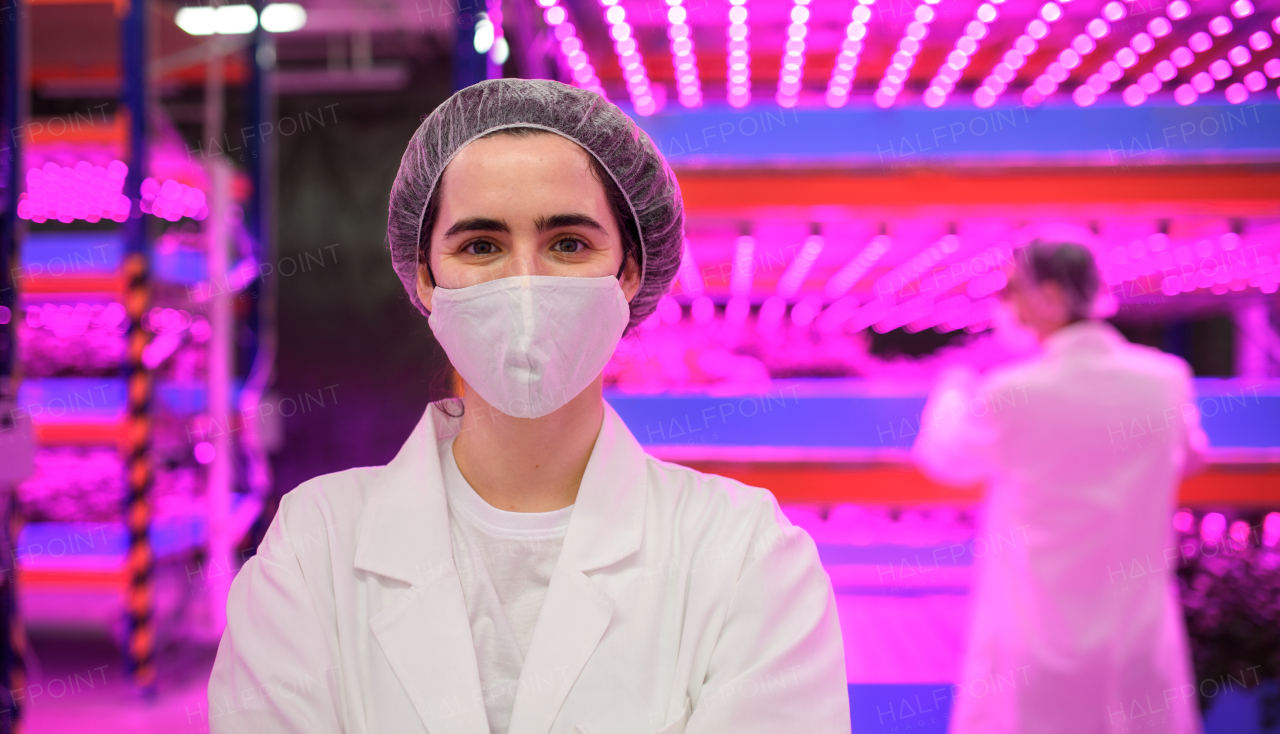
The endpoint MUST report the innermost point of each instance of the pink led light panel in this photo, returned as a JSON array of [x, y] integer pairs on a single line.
[[909, 46], [629, 59], [67, 193], [689, 88], [584, 74], [1023, 46], [846, 65], [966, 45], [792, 73], [739, 56], [172, 200]]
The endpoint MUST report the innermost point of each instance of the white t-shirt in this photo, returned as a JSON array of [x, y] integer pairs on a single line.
[[504, 561]]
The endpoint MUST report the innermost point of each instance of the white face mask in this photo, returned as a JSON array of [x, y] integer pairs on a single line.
[[528, 344]]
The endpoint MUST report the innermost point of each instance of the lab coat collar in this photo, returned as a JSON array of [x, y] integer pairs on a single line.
[[608, 514], [405, 534], [1088, 335], [606, 526], [425, 632], [405, 531]]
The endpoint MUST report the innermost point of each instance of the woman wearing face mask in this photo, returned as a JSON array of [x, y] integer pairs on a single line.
[[522, 565]]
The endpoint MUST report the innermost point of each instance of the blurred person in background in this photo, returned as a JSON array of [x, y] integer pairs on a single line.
[[1077, 626], [522, 565]]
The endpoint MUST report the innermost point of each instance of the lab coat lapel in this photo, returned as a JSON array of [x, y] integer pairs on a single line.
[[424, 631], [606, 526]]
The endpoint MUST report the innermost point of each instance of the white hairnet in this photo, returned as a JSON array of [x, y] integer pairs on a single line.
[[586, 118]]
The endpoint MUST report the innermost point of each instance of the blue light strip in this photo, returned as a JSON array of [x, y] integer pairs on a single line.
[[836, 413]]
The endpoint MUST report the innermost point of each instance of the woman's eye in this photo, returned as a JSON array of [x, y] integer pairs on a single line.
[[570, 246], [480, 247]]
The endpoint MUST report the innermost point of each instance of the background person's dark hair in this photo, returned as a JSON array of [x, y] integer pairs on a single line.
[[1068, 264], [618, 205]]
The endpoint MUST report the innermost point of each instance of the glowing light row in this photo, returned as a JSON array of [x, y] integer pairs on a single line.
[[769, 318], [899, 315], [949, 73], [836, 315], [701, 308], [171, 200], [848, 276], [1214, 524], [584, 74], [65, 320], [794, 276], [944, 311], [1184, 268], [895, 76], [1221, 69], [792, 74], [966, 45], [984, 275], [972, 309], [740, 277], [1199, 42], [861, 318], [624, 44], [986, 283], [239, 19], [739, 59], [957, 312], [951, 314], [65, 193], [977, 317], [1047, 83], [688, 86], [689, 274], [806, 311], [1015, 58], [489, 38], [1272, 70], [898, 278], [1221, 264], [1141, 43], [846, 65], [667, 312]]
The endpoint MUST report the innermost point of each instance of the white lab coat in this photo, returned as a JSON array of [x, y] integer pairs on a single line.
[[1077, 625], [682, 602]]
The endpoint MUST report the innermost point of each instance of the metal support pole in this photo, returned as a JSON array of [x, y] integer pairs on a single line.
[[13, 103], [136, 443], [214, 86], [469, 67], [259, 109], [221, 476], [530, 52], [1255, 339], [11, 106], [493, 70], [260, 222]]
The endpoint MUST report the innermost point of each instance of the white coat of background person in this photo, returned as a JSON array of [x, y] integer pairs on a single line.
[[522, 565], [1077, 626]]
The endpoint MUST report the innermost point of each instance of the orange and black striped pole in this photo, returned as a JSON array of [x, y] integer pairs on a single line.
[[140, 562], [136, 441]]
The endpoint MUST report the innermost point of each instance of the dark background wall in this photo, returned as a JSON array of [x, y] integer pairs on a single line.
[[347, 331]]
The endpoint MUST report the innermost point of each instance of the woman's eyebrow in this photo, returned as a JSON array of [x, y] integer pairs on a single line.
[[556, 221], [477, 224]]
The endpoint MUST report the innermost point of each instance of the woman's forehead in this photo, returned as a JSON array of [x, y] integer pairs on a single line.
[[522, 144], [522, 173]]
